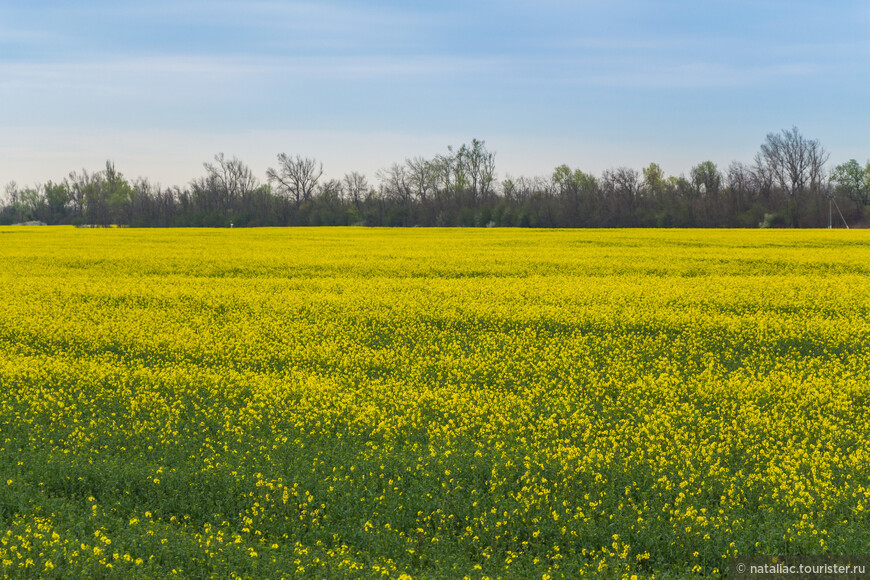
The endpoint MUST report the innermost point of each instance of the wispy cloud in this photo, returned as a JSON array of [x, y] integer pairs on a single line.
[[584, 71], [10, 35], [261, 26], [697, 75], [120, 70]]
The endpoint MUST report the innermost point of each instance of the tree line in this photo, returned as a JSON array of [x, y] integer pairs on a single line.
[[787, 184]]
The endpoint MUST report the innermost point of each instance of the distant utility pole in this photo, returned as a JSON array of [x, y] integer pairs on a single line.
[[831, 200]]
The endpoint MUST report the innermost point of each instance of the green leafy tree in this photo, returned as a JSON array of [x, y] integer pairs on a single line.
[[57, 196], [654, 181], [853, 182], [33, 203], [706, 179]]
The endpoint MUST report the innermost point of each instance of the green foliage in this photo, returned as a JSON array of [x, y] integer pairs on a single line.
[[853, 181]]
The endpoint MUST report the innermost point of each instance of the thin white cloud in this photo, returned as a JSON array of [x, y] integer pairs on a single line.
[[19, 36], [311, 25], [226, 70], [697, 75], [585, 70], [322, 15], [620, 44]]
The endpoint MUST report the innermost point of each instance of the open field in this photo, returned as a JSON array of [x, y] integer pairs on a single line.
[[438, 403]]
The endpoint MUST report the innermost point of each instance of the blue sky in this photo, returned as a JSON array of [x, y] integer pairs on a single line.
[[160, 87]]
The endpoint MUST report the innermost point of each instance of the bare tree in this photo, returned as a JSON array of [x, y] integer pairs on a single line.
[[444, 167], [421, 177], [395, 182], [622, 184], [525, 188], [330, 191], [481, 168], [234, 180], [296, 177], [762, 177], [355, 186], [739, 182], [11, 190], [459, 169], [13, 199], [795, 164], [328, 199]]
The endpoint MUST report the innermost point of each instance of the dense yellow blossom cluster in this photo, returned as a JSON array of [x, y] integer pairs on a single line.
[[430, 403]]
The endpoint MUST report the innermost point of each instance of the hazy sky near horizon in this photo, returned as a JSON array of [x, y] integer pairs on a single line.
[[160, 87]]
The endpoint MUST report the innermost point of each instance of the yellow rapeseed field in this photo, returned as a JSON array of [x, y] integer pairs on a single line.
[[357, 403]]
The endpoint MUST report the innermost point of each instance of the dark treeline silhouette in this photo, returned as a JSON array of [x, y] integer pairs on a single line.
[[786, 184]]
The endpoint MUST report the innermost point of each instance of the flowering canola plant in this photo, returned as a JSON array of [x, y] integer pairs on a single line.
[[361, 403]]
